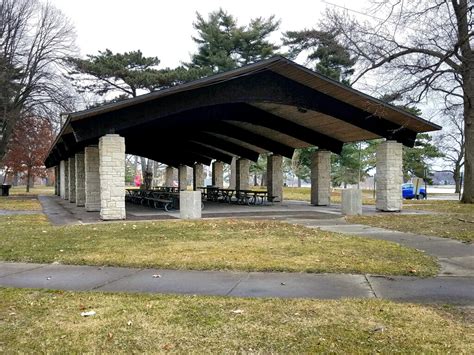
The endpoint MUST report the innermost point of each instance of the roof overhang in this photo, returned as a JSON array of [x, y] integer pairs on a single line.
[[273, 105]]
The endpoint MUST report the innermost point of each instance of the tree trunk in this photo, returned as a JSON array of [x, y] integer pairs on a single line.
[[147, 172], [255, 181], [299, 181], [457, 179], [263, 182], [468, 193], [28, 179]]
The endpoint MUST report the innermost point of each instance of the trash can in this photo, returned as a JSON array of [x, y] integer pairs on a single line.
[[6, 190]]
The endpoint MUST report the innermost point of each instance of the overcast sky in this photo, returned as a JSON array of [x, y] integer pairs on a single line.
[[164, 28]]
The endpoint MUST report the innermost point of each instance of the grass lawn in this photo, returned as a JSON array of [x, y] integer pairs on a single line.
[[19, 203], [50, 322], [34, 191], [451, 220], [206, 245], [20, 200], [304, 194]]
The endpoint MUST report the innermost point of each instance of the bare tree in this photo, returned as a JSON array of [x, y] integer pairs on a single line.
[[35, 38], [422, 50], [452, 143]]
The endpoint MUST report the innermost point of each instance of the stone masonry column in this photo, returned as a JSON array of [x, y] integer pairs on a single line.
[[242, 174], [198, 176], [66, 179], [218, 174], [92, 178], [112, 177], [72, 179], [321, 178], [62, 179], [80, 180], [275, 178], [233, 173], [169, 174], [389, 176], [182, 177]]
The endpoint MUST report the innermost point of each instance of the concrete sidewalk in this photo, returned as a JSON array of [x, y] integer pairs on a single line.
[[455, 257], [455, 290]]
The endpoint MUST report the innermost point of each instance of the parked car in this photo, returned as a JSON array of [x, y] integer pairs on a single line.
[[408, 192]]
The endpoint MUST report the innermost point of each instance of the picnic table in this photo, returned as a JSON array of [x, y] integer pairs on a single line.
[[243, 197], [157, 198]]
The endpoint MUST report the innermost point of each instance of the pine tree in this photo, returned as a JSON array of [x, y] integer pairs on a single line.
[[224, 45], [125, 74]]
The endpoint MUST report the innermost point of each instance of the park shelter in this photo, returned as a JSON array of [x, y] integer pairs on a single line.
[[270, 107]]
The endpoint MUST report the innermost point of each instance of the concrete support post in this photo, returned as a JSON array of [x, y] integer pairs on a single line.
[[92, 178], [72, 179], [80, 180], [112, 177], [233, 173], [190, 204], [182, 177], [169, 175], [218, 174], [275, 178], [62, 179], [66, 179], [198, 176], [351, 202], [321, 178], [242, 174], [389, 176]]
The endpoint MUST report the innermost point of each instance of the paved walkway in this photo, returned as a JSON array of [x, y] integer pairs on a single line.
[[455, 258], [456, 290], [454, 284]]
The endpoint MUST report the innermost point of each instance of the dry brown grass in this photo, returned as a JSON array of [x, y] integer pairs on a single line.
[[206, 245], [450, 219], [50, 322], [19, 203]]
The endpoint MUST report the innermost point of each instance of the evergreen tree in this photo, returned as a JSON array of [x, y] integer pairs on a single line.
[[125, 74], [324, 53], [224, 45]]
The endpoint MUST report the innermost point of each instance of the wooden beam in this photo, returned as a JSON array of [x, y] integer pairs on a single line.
[[249, 137]]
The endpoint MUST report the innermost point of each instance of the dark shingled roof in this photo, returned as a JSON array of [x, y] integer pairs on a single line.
[[274, 105]]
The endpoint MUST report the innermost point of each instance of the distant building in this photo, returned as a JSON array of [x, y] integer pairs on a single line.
[[443, 177]]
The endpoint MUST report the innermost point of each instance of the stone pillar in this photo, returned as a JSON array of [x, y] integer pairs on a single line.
[[66, 179], [112, 177], [321, 178], [182, 177], [72, 179], [218, 174], [190, 204], [80, 180], [351, 202], [242, 174], [198, 176], [169, 175], [92, 178], [275, 178], [233, 173], [62, 179], [389, 176]]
